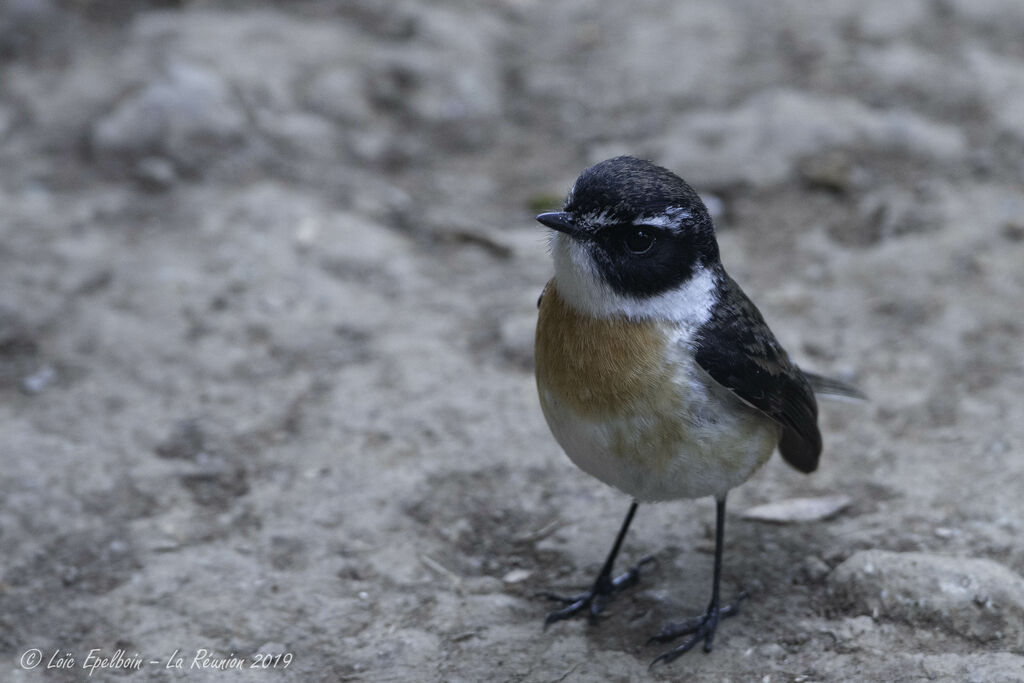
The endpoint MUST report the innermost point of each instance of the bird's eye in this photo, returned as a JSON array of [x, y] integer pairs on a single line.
[[639, 240]]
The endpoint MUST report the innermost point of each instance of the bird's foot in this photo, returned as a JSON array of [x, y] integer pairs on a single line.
[[596, 598], [699, 629]]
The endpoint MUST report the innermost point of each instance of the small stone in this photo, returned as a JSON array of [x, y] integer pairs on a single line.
[[798, 509], [517, 576]]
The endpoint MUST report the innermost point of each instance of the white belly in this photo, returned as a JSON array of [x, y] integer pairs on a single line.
[[703, 443]]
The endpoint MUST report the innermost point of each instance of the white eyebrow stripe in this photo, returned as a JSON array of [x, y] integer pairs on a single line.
[[666, 219]]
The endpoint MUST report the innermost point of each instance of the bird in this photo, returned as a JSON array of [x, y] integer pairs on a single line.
[[656, 374]]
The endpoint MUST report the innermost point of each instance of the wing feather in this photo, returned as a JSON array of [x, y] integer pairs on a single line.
[[739, 351]]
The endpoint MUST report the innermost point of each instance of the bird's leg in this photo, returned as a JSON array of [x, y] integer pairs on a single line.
[[702, 627], [604, 587]]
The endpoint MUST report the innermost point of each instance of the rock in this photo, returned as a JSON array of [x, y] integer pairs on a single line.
[[879, 660], [973, 598], [760, 142], [187, 115], [987, 667], [517, 575], [798, 509]]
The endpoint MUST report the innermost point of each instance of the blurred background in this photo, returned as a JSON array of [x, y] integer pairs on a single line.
[[268, 275]]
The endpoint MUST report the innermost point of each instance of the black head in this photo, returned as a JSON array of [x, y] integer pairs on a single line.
[[645, 229]]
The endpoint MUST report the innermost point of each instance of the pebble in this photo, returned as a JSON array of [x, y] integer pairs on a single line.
[[517, 576], [798, 509]]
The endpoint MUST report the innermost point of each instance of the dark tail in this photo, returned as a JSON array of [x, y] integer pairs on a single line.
[[826, 386]]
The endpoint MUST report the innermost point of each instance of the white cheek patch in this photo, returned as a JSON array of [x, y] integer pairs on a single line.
[[576, 274]]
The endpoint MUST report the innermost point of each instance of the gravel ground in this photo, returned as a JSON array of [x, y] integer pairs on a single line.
[[268, 276]]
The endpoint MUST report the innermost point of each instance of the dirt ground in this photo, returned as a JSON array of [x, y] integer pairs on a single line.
[[268, 275]]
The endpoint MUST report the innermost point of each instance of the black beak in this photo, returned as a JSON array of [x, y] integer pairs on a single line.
[[560, 221]]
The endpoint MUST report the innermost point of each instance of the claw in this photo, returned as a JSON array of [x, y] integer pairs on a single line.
[[596, 599], [703, 628]]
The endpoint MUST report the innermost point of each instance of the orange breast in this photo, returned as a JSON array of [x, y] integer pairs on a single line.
[[600, 366]]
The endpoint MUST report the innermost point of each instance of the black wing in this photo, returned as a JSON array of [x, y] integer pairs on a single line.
[[739, 351]]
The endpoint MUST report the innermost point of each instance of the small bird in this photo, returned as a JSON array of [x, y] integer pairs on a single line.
[[656, 374]]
